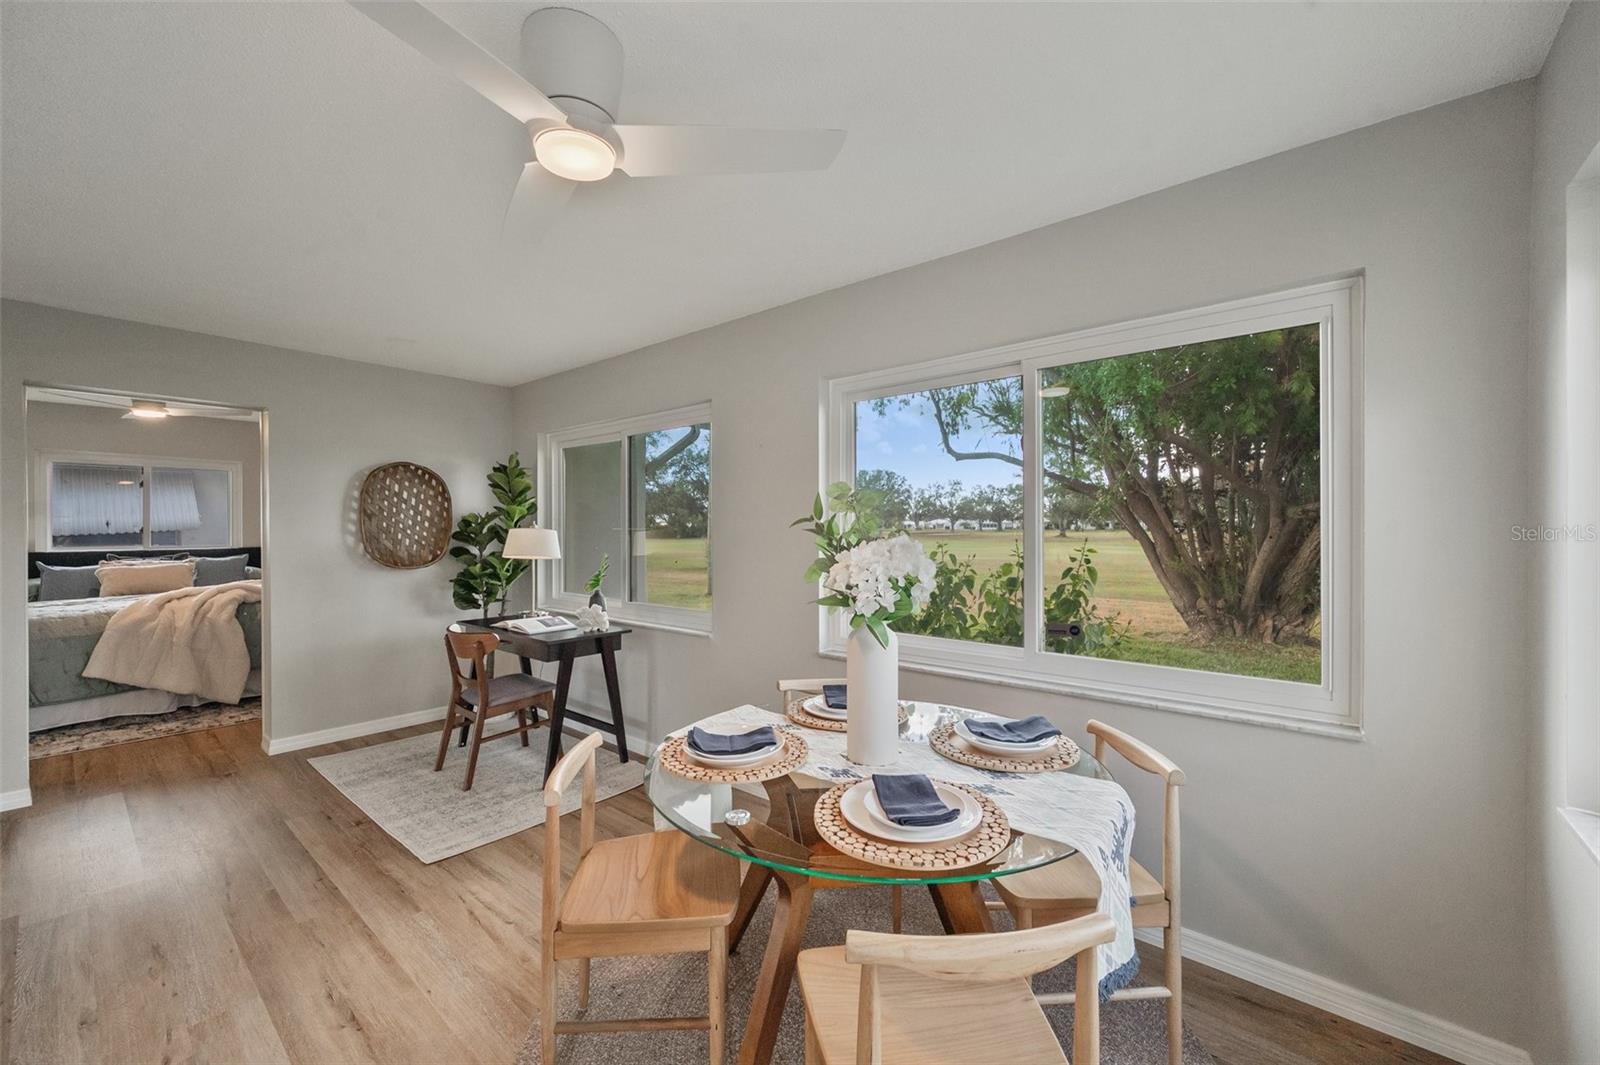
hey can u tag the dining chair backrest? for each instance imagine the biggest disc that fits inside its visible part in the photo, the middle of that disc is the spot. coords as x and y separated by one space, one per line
578 760
477 648
1147 758
798 691
907 970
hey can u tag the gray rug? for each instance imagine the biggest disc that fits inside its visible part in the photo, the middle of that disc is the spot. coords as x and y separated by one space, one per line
1131 1033
92 735
428 813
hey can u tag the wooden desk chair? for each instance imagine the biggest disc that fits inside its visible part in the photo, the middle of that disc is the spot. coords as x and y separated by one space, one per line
882 999
796 692
482 695
1069 888
660 893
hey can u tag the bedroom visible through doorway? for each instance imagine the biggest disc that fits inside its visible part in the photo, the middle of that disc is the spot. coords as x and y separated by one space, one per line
145 568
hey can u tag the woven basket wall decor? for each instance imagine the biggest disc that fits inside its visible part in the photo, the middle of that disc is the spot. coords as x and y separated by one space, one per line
405 516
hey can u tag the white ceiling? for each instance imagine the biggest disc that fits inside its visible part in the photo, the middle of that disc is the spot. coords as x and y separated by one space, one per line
289 174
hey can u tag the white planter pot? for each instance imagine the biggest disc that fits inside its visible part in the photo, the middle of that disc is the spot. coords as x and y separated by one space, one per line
872 673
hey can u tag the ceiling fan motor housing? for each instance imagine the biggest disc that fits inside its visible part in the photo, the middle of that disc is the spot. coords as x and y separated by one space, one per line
574 59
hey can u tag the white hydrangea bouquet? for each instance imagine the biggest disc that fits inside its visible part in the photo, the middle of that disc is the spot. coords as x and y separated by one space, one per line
878 579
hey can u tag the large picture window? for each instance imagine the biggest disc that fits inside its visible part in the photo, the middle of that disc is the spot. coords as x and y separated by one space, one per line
1160 512
634 497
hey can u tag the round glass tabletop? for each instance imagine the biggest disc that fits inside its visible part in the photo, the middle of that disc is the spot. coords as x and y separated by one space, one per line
780 833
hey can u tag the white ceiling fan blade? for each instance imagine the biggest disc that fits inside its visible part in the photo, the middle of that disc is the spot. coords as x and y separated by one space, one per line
536 202
661 151
439 41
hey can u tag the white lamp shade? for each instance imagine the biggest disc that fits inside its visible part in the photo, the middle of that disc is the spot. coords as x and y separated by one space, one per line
532 543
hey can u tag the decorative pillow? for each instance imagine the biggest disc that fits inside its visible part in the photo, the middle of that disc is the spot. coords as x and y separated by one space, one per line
220 570
68 582
123 579
252 573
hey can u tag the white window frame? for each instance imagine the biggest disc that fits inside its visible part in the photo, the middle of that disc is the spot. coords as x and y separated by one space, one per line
1332 707
44 486
552 490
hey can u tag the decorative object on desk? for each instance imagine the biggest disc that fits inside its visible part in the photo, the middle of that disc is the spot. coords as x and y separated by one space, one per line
1064 755
593 619
532 544
876 579
596 596
404 516
488 573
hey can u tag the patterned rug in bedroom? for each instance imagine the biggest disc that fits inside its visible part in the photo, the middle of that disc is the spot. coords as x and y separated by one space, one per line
71 739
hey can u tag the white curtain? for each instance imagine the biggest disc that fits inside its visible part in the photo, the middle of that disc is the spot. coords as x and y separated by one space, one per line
90 501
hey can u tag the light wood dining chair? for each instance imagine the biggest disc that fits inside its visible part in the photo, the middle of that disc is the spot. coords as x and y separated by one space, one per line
658 893
481 695
886 999
1069 888
798 691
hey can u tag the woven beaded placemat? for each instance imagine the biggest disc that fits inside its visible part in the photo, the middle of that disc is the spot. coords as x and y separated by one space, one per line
791 756
992 836
944 740
803 717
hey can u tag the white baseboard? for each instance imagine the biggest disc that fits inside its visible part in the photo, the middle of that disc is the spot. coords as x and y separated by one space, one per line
16 800
1391 1018
284 744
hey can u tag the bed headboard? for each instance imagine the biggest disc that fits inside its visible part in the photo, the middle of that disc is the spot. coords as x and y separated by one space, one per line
90 558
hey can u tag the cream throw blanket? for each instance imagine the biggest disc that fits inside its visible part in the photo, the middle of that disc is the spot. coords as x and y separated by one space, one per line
188 641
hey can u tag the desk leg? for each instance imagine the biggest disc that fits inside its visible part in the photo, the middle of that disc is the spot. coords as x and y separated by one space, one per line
608 660
961 908
558 715
789 920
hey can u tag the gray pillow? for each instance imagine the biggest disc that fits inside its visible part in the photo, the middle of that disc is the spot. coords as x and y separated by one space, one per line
67 582
220 570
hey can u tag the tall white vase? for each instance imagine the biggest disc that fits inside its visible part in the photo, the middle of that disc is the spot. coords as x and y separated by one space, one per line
872 673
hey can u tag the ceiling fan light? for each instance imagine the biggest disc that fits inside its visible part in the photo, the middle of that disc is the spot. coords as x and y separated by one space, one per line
148 408
574 154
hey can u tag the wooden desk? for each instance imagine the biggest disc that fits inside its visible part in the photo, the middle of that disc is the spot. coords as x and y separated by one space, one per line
564 648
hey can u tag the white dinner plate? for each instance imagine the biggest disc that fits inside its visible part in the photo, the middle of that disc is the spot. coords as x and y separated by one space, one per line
732 761
1006 750
860 807
818 706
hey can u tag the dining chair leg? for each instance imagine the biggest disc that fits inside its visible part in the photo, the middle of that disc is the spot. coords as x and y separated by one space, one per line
896 908
477 745
583 983
547 1008
444 737
717 992
1172 948
522 725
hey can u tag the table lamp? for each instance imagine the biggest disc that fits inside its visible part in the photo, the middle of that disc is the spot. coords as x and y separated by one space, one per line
533 543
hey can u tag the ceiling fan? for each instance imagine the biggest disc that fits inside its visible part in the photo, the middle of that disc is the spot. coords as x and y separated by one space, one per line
572 125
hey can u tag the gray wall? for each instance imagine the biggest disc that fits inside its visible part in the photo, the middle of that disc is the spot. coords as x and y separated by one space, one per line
1564 878
347 640
71 427
1394 864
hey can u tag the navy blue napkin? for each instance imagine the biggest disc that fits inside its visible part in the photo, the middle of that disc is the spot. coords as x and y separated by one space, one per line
833 696
909 799
743 743
1028 730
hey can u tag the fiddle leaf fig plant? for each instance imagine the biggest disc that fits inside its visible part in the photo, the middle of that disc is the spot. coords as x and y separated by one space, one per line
486 575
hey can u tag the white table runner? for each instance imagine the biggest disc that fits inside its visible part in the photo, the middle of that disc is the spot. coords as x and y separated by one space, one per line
1094 816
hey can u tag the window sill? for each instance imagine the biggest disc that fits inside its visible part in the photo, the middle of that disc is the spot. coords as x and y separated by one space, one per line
1587 826
1194 706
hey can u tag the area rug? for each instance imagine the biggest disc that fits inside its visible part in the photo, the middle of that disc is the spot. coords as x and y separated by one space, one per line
429 815
1131 1033
91 735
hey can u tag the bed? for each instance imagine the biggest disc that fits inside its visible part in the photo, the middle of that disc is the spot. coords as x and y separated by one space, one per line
62 635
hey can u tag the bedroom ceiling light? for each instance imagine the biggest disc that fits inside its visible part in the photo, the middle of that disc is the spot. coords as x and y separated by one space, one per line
147 408
574 154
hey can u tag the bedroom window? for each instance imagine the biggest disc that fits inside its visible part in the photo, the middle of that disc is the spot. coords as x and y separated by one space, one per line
1160 513
635 494
117 501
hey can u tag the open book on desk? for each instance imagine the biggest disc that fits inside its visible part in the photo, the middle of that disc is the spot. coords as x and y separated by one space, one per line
537 624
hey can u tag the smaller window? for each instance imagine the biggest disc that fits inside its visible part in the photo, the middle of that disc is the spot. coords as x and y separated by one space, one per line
95 503
633 498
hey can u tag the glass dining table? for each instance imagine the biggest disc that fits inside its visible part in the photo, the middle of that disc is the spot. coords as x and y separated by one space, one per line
783 847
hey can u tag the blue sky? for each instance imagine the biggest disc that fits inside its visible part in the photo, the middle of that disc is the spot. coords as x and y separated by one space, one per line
905 439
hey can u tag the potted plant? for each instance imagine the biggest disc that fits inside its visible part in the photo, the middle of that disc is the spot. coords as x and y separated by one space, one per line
596 596
876 579
486 575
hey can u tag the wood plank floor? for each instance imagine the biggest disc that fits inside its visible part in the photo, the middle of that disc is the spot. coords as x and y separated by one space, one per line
187 899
